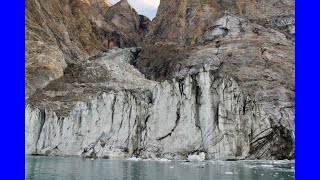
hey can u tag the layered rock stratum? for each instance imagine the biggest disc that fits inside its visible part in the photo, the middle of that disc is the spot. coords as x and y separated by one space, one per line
203 76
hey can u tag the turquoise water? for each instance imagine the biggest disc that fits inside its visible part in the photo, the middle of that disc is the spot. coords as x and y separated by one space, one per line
74 168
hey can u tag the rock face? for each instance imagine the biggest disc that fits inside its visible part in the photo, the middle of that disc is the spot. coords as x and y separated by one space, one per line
184 22
59 32
211 76
123 16
85 114
255 46
99 3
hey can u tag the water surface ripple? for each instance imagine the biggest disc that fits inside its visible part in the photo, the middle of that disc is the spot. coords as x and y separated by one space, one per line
74 168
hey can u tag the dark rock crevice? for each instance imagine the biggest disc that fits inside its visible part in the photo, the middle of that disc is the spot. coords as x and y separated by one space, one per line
176 124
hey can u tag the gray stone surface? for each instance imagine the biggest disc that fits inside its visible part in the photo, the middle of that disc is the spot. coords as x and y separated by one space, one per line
203 112
211 76
64 31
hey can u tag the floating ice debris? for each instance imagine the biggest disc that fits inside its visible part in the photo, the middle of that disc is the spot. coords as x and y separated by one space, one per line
171 167
163 160
197 158
228 173
276 173
184 163
267 166
146 159
92 159
262 174
133 159
281 162
251 167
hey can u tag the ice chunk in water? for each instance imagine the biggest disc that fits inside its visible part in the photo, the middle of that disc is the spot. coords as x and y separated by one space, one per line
163 160
197 158
267 166
134 159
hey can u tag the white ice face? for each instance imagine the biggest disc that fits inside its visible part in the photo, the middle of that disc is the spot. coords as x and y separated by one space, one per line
202 156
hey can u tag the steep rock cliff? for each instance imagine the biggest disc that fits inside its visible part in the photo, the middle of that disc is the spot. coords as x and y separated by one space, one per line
255 47
184 22
61 32
87 114
123 16
211 76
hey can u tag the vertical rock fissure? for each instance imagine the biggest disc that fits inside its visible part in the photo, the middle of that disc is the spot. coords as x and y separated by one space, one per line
196 91
145 128
122 118
137 138
244 106
42 121
112 111
181 87
129 127
216 116
176 123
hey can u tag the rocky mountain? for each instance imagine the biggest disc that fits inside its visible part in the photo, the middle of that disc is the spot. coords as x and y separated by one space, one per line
102 4
194 22
203 76
67 31
253 41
